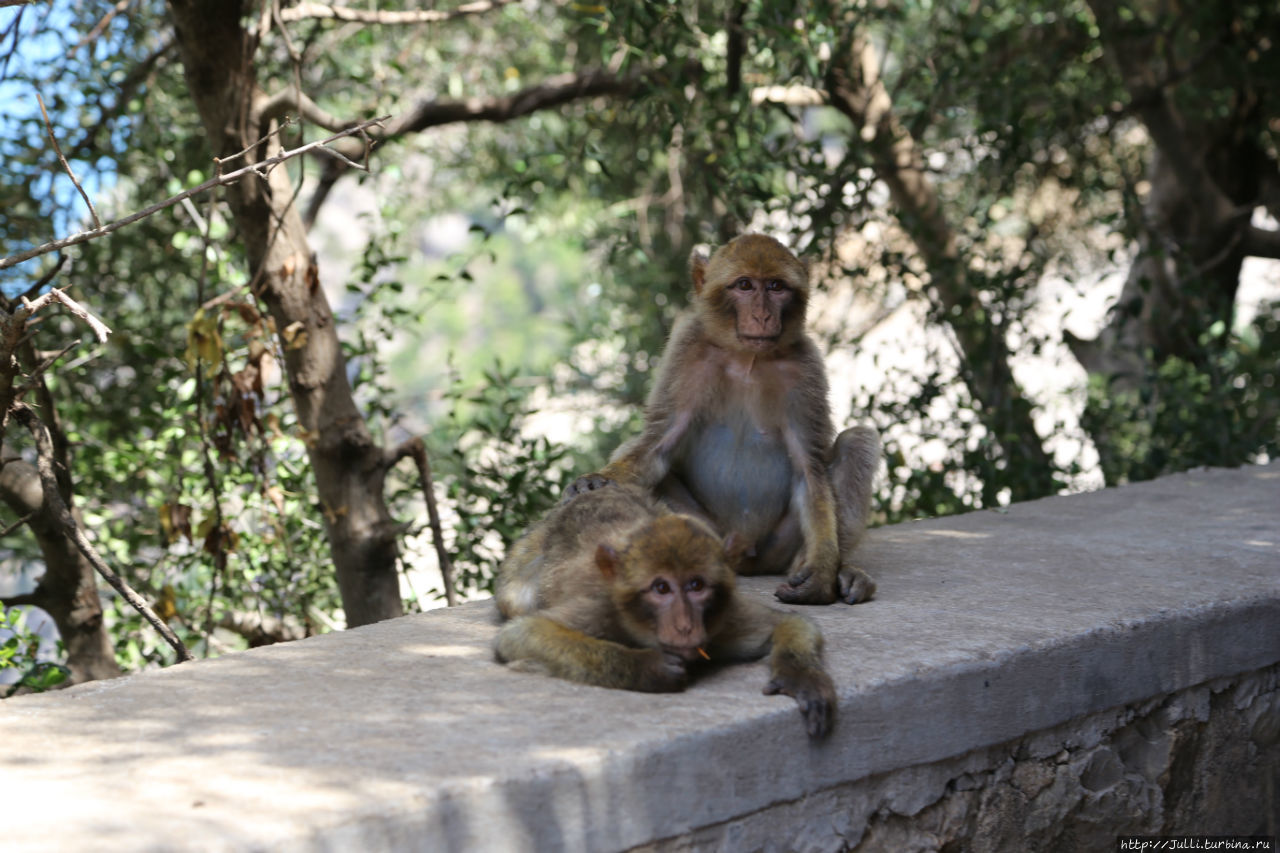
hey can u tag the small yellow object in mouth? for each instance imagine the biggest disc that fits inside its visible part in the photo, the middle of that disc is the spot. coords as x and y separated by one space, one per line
703 653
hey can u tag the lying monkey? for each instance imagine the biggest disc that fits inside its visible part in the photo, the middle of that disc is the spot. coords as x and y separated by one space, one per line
614 590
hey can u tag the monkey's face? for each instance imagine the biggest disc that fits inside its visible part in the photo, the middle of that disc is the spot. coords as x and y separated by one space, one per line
754 292
671 583
677 608
758 307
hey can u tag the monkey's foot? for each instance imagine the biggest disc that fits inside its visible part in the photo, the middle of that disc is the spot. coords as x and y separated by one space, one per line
584 484
856 586
806 587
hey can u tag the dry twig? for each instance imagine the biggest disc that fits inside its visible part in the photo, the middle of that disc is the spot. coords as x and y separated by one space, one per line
100 329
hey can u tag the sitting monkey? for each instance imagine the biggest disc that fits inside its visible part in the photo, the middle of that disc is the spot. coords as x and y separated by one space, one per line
738 430
614 590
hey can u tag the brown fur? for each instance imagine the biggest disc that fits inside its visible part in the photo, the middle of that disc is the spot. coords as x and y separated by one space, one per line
578 591
738 429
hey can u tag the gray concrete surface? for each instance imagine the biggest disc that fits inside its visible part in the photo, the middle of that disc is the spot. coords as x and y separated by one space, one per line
406 735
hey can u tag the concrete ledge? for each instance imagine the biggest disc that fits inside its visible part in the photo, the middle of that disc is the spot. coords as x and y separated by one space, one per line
406 735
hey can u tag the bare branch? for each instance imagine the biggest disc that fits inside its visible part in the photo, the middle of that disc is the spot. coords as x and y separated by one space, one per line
222 161
41 282
304 10
291 99
62 516
34 376
9 528
261 168
415 449
101 25
554 92
97 223
99 328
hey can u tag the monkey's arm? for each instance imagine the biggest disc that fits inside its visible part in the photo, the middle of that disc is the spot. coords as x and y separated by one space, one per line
797 671
570 654
646 459
794 646
814 576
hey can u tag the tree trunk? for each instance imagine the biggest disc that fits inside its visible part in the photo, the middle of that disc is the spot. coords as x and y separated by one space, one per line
68 590
854 88
1206 178
218 61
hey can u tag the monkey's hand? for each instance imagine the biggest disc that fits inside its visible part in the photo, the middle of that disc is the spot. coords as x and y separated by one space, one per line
814 693
856 585
658 671
584 484
810 582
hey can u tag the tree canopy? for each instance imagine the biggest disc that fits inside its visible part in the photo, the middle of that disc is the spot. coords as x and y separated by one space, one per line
456 303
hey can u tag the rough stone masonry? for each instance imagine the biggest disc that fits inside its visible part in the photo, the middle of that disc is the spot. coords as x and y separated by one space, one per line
1045 677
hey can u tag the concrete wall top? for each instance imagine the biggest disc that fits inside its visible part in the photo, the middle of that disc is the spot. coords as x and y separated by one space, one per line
406 734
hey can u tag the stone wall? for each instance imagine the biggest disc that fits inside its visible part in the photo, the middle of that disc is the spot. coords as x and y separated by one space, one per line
1045 677
1203 761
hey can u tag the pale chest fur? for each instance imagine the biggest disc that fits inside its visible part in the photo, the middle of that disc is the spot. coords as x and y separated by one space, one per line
734 458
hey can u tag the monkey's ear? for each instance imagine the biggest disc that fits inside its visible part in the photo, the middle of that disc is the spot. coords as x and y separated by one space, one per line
698 270
607 560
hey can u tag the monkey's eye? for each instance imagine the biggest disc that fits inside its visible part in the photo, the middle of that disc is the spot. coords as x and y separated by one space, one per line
695 585
661 587
776 285
743 283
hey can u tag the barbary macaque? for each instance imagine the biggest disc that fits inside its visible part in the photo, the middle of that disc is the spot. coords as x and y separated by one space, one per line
615 590
738 429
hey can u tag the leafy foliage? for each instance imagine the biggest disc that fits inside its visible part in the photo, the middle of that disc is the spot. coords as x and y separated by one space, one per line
1226 413
501 479
19 650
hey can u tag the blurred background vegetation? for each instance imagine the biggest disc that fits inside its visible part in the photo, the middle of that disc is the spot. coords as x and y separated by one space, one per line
1043 235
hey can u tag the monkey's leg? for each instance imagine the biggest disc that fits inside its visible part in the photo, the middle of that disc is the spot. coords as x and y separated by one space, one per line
771 555
814 574
855 457
517 583
575 656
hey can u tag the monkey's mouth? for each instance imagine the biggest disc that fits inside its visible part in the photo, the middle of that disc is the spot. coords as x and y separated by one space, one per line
689 654
758 341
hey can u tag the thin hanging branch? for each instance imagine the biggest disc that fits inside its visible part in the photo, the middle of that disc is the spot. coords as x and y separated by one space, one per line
97 223
62 516
418 451
260 168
